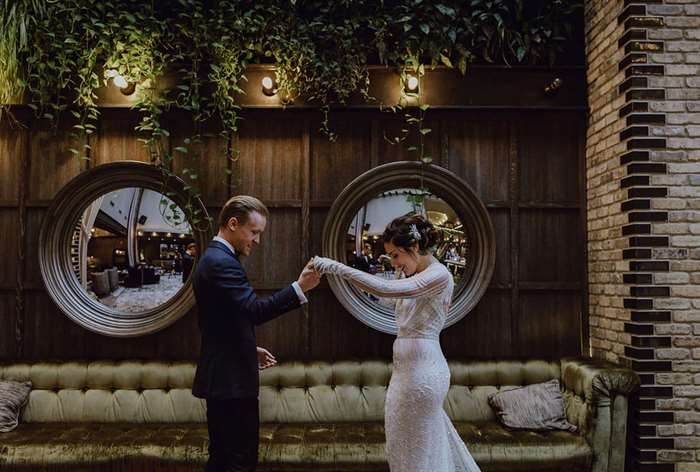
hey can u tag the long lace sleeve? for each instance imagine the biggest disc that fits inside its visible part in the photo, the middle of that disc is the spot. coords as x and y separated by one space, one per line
430 282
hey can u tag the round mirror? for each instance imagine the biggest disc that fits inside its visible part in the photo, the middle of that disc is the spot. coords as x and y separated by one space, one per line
133 249
357 219
120 264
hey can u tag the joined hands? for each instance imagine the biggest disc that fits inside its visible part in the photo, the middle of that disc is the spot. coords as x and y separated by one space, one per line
309 277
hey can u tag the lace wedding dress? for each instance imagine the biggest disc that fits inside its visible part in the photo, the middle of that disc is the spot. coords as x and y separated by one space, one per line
419 435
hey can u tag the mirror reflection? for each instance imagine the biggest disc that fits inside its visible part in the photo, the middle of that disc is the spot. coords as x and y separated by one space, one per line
364 245
132 249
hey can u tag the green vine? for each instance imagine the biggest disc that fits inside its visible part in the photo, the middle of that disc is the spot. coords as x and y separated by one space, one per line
57 54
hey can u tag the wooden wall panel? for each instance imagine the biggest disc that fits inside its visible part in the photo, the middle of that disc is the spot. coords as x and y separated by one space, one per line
548 238
8 345
483 333
389 127
478 152
116 139
549 324
548 148
523 165
10 243
277 260
269 165
501 226
286 336
35 217
209 160
336 164
52 165
50 334
13 146
336 334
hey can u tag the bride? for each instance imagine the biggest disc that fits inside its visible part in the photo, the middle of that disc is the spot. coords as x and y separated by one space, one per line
419 435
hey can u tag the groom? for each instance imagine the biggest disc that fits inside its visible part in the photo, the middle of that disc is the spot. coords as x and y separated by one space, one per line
227 371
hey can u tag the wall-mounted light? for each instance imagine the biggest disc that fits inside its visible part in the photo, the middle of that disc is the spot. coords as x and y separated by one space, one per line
411 84
140 233
126 87
553 86
154 234
269 86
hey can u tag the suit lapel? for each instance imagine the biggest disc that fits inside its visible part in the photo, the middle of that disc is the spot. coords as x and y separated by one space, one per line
223 247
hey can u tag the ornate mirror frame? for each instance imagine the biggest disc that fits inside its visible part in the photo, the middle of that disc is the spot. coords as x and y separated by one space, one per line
55 254
443 184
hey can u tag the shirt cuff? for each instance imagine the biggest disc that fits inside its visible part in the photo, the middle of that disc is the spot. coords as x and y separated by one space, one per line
300 293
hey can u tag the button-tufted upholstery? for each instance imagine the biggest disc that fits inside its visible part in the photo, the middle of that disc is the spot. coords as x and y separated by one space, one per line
317 413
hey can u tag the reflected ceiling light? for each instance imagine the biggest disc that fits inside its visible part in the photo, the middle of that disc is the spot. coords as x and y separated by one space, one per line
269 87
411 84
437 217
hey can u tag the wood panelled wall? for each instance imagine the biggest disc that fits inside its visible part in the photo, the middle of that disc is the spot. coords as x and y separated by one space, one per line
525 165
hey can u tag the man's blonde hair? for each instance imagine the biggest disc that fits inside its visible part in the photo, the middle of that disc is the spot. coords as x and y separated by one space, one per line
240 207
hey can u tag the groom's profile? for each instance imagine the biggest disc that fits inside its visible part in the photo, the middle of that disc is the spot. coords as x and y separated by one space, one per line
227 370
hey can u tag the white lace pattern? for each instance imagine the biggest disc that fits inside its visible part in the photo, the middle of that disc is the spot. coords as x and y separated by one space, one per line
419 435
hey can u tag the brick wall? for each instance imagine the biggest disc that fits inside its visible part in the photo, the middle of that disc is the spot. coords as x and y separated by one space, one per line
643 165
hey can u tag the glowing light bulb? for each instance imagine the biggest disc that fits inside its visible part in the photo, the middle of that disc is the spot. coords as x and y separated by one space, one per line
120 81
268 85
411 83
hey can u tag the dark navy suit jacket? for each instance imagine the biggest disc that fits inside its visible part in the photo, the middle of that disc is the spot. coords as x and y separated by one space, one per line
228 313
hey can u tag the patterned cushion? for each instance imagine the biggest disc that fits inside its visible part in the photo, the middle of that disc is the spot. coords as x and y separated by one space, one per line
537 407
13 396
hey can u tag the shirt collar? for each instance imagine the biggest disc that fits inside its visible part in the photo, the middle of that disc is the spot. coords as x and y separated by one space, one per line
225 243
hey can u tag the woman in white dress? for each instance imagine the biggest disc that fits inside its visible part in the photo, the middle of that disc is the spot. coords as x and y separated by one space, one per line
419 435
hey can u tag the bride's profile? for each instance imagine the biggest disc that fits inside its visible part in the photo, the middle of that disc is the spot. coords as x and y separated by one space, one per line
419 435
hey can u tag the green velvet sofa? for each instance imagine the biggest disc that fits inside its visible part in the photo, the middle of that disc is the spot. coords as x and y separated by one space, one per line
141 416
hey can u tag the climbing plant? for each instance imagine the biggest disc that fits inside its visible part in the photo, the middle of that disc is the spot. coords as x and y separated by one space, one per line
56 54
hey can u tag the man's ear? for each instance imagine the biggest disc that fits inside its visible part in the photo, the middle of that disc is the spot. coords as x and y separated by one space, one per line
232 223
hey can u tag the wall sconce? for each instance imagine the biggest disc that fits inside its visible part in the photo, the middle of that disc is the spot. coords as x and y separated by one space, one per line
269 86
553 87
125 87
411 84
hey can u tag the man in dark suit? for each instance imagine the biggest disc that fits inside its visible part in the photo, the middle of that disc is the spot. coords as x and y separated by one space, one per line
227 371
188 261
364 261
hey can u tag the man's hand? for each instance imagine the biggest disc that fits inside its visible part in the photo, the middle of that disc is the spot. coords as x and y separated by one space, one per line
265 358
308 278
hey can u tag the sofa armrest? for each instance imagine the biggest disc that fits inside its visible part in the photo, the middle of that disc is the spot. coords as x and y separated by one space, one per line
596 394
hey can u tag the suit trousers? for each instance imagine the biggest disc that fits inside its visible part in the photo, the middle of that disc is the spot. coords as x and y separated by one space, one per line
233 425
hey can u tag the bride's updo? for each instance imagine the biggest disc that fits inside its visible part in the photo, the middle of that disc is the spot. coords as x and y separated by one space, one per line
407 230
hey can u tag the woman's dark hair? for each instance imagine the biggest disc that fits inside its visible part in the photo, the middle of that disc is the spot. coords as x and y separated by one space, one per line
407 230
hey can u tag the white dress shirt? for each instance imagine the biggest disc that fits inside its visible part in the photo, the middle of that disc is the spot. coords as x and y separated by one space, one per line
295 284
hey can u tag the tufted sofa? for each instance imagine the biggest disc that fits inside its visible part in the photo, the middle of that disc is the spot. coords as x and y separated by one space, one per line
141 416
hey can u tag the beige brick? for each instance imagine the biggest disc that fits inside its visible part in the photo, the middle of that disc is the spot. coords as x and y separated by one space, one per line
673 353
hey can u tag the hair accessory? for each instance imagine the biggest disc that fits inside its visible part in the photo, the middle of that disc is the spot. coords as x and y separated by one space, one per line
414 232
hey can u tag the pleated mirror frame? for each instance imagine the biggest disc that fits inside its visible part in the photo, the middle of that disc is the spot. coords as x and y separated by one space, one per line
443 184
55 256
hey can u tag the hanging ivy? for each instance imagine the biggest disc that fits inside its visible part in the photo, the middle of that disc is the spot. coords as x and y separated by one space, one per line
57 54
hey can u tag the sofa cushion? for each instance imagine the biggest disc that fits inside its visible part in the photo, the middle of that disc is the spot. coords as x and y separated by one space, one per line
355 446
13 396
538 407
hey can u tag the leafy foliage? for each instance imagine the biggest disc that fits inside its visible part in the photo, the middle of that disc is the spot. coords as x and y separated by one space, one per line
58 53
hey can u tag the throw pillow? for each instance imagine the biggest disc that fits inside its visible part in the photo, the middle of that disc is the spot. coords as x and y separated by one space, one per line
537 407
13 396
